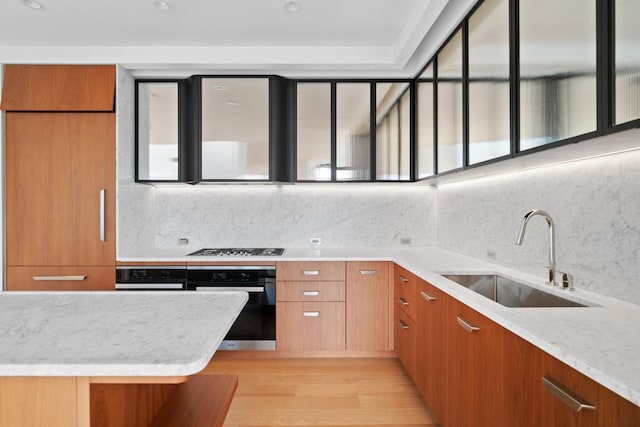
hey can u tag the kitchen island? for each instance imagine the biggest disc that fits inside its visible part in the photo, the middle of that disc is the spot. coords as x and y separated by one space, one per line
96 358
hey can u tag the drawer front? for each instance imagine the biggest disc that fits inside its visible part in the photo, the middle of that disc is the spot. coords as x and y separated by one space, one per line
61 278
405 341
310 271
405 291
310 291
310 326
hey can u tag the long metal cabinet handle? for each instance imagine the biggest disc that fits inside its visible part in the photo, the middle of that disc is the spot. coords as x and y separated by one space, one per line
403 279
310 272
426 296
311 313
60 278
311 293
467 326
403 301
368 272
403 325
102 215
565 396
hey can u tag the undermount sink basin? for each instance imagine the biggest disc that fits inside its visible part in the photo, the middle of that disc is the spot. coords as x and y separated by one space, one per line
508 292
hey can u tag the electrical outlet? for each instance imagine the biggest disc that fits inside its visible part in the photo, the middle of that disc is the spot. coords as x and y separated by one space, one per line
183 241
405 241
316 241
492 254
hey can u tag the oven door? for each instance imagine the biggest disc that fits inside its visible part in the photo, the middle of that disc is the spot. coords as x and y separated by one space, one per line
255 327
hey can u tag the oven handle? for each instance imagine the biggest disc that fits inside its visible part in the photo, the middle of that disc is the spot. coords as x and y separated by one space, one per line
143 286
231 288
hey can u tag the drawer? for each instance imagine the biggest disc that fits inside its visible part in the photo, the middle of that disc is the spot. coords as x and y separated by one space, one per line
405 291
61 278
310 326
310 291
310 271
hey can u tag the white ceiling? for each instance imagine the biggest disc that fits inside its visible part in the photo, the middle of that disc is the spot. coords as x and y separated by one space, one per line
325 37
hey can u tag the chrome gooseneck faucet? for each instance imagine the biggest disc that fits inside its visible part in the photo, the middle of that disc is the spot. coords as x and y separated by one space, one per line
552 245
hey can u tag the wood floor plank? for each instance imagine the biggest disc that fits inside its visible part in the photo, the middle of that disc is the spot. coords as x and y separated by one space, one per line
366 392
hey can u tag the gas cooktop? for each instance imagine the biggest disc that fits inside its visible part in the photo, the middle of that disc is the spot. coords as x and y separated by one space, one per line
238 252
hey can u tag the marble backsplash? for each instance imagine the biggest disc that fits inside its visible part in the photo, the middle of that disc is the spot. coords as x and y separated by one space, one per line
272 215
595 204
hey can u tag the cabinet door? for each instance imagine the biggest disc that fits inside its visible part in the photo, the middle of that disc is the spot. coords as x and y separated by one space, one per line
61 278
431 358
57 168
405 341
59 88
368 305
310 326
473 379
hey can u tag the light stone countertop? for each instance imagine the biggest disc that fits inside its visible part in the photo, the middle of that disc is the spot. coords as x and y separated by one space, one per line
601 341
113 333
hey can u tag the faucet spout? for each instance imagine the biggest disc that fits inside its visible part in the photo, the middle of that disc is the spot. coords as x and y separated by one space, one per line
552 245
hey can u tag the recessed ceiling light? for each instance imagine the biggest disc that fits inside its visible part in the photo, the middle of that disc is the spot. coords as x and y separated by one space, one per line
220 87
162 4
33 4
292 6
233 103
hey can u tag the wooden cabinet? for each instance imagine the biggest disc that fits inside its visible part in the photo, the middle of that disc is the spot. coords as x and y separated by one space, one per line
310 311
431 357
528 402
59 88
474 369
60 181
404 297
319 310
368 306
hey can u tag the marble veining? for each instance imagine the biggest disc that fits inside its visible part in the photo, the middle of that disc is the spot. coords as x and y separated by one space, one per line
113 333
595 204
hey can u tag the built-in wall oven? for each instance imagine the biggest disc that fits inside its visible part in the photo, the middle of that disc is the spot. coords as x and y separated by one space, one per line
255 327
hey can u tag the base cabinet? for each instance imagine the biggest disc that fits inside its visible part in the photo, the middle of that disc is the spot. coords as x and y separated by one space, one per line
473 372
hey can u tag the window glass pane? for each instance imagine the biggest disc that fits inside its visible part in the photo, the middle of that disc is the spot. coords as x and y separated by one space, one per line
314 131
235 128
557 70
627 38
425 123
489 120
392 131
450 105
158 131
353 144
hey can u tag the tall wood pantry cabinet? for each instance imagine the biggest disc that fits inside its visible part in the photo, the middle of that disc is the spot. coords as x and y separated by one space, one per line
59 177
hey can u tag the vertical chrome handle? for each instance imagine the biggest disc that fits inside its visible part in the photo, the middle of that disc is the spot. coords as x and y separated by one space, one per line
310 272
403 302
403 279
565 396
311 313
102 215
368 272
426 296
311 293
467 326
403 325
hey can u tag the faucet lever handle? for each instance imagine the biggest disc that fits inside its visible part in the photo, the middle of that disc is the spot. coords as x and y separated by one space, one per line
567 281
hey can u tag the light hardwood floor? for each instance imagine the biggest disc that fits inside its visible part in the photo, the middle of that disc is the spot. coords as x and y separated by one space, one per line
319 391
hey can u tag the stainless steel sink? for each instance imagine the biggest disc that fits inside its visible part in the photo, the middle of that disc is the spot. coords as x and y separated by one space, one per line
509 292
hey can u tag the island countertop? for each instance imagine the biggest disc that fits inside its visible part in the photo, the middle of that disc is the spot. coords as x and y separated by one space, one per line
113 333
